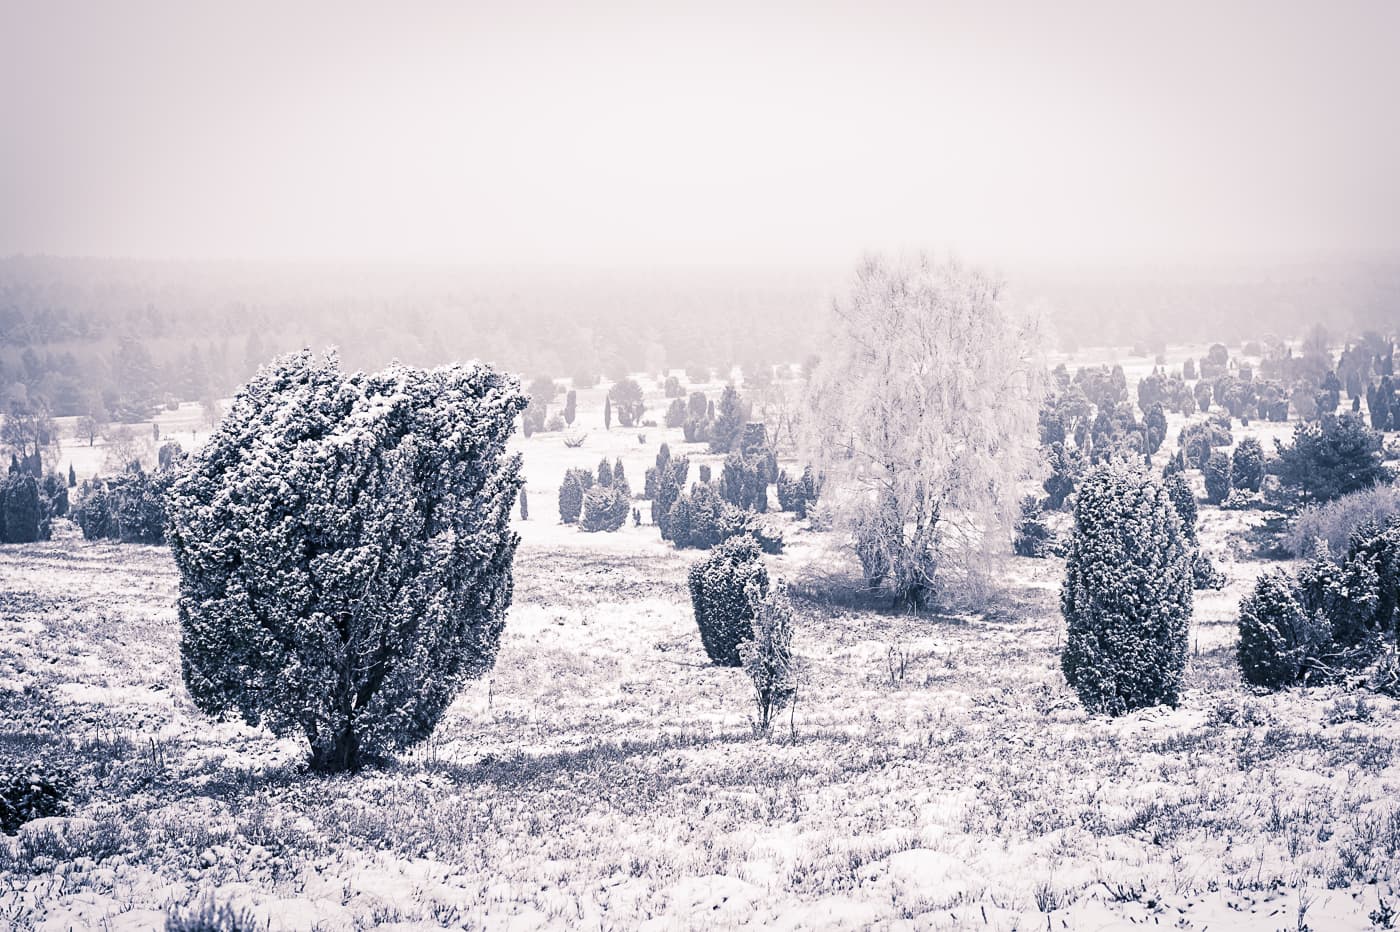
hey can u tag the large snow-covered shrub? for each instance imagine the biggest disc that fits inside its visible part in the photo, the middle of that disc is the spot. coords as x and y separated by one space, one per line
1279 639
344 550
720 594
1127 593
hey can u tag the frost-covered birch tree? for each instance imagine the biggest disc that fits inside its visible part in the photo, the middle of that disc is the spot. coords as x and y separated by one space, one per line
922 419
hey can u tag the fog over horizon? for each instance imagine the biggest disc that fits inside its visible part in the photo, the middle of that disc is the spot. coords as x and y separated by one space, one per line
629 136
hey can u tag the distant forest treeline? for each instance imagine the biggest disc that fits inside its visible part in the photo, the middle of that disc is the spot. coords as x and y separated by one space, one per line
130 336
116 339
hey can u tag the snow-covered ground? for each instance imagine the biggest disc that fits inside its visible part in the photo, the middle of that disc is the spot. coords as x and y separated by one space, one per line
605 776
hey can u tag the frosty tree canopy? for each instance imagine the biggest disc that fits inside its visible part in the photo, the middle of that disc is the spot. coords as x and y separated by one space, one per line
921 419
344 550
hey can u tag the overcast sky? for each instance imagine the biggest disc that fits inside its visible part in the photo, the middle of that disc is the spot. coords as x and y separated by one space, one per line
577 133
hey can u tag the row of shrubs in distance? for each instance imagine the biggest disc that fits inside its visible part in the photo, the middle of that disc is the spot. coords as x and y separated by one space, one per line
596 504
28 505
1033 538
1326 459
701 420
1311 383
131 507
700 517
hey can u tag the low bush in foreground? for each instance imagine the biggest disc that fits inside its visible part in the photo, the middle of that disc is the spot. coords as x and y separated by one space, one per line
767 656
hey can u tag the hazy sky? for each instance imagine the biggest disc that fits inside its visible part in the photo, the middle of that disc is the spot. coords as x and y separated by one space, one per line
570 132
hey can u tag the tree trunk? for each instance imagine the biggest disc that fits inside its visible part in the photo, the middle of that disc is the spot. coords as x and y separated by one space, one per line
338 753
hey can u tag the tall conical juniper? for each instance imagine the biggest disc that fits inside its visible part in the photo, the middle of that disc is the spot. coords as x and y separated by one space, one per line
1127 593
344 550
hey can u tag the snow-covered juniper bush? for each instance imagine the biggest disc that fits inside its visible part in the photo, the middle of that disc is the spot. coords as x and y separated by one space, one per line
1217 476
23 516
670 479
572 488
1127 593
130 507
797 495
1247 465
1184 501
344 550
605 507
1279 638
1066 466
720 594
1328 622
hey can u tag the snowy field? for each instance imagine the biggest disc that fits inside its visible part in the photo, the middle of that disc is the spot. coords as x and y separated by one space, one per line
936 773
